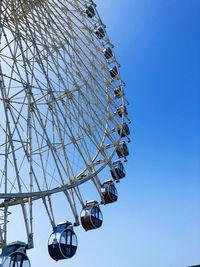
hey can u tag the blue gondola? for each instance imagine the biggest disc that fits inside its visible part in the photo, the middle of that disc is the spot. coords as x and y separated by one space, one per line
109 192
122 150
118 91
14 255
91 216
62 242
90 11
125 129
118 170
108 52
113 72
99 32
122 109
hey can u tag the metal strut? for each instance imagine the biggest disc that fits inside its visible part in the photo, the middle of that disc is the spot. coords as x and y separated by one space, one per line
4 213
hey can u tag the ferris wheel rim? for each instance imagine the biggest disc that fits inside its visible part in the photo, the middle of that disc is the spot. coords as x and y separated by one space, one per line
67 186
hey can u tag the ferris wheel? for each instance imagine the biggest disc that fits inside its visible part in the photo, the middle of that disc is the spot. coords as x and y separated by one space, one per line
63 118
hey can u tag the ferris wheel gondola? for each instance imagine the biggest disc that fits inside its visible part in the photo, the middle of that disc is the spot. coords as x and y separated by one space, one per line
108 53
14 255
62 242
109 192
118 92
118 170
91 216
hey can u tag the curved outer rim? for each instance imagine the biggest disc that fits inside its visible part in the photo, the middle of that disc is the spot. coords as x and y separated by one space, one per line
58 189
40 194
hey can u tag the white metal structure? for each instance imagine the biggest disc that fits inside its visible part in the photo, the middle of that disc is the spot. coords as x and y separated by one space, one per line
58 123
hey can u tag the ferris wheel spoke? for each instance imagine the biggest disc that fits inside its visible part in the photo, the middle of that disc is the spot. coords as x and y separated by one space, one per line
100 147
15 120
61 143
54 153
72 204
69 199
94 119
89 131
87 152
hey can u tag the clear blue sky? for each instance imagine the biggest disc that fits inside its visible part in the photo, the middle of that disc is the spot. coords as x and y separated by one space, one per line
156 220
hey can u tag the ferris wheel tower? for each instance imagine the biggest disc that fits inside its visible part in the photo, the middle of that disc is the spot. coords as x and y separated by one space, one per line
63 118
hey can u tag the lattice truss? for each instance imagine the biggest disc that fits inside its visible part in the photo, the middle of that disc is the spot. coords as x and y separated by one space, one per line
58 113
